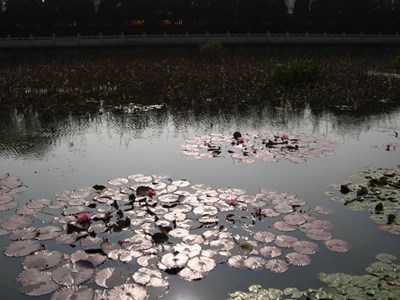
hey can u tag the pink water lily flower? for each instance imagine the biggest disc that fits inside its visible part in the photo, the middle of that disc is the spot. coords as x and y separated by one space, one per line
258 212
233 202
150 192
84 217
284 137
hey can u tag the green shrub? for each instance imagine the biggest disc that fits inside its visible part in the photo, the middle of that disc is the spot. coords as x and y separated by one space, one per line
211 50
396 62
297 72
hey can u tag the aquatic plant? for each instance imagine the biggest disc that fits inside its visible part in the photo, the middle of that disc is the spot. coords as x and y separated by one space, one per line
124 82
211 50
265 146
395 62
375 190
183 229
297 72
381 282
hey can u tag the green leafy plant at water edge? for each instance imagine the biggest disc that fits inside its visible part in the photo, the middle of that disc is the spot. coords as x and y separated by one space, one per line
382 281
297 72
211 50
396 62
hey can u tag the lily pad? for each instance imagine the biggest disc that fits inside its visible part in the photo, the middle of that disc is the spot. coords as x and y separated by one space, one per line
298 259
33 282
112 277
277 265
130 291
73 293
74 273
43 260
22 248
337 245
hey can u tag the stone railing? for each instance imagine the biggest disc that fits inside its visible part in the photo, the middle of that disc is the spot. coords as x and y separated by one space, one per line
196 39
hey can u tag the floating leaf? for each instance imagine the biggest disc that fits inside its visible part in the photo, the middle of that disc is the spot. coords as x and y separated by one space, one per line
385 257
26 233
201 264
48 233
22 248
190 274
283 226
298 259
254 262
337 245
16 222
277 265
305 247
264 236
43 260
118 181
74 273
171 261
285 241
111 277
236 261
270 251
73 293
32 282
150 277
130 291
318 234
95 258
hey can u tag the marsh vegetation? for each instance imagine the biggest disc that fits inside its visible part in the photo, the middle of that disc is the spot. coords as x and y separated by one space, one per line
343 78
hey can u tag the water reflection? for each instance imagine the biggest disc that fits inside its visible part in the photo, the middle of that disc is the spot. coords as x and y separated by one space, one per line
31 134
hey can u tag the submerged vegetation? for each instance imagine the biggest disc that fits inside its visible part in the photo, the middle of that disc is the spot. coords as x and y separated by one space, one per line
382 281
177 77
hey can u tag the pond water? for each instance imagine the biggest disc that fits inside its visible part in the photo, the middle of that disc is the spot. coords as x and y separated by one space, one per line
53 154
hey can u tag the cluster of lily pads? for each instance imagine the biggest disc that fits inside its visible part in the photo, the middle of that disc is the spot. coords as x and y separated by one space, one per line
126 239
376 190
9 188
266 146
381 282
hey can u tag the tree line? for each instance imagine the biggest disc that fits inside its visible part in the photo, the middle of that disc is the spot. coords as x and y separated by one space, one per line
115 16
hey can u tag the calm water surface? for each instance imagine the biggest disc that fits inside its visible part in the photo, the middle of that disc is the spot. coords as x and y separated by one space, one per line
70 152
